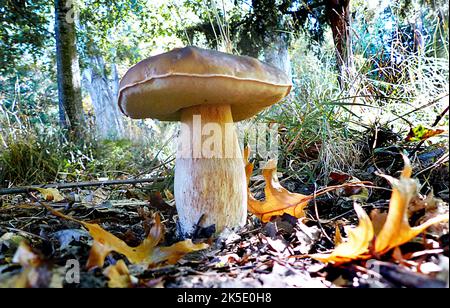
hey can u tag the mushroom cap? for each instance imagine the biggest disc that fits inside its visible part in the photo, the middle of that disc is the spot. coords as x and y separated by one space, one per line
160 86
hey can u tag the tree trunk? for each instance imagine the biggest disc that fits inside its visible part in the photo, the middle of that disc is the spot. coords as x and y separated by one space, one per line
68 71
338 15
103 92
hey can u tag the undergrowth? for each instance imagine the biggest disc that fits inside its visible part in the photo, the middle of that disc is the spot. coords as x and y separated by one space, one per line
38 159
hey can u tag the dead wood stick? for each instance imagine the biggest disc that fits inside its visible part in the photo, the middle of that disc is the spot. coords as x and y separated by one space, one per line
26 189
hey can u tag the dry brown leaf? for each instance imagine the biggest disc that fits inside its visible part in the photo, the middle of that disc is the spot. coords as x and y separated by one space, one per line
394 229
337 235
51 194
278 199
378 220
147 252
119 276
34 273
357 245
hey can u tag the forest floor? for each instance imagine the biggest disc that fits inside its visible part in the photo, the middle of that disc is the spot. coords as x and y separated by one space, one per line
259 255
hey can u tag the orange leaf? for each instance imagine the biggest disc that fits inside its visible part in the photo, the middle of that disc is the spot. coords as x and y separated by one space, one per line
391 231
147 252
51 194
357 246
278 199
420 133
175 252
396 230
119 276
105 243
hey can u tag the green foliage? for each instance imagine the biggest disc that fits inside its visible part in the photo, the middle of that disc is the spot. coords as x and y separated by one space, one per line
23 31
29 160
315 136
38 158
321 124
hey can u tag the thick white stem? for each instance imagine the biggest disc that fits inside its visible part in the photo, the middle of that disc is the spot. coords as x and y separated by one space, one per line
210 178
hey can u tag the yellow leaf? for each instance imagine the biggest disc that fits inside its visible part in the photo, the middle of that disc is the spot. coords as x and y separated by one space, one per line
337 235
34 273
118 274
105 243
396 230
175 252
51 194
391 230
169 195
147 252
278 199
357 245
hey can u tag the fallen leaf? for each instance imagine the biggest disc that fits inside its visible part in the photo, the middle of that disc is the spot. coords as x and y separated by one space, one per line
51 194
396 230
65 237
306 236
35 274
173 253
147 253
337 235
378 220
432 207
118 275
390 231
338 178
420 133
278 199
357 245
25 256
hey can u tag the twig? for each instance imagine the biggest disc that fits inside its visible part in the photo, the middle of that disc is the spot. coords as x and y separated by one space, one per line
441 160
26 189
26 233
439 117
317 215
417 109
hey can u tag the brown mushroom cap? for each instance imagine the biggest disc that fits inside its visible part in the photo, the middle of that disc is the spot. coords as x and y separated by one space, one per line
160 86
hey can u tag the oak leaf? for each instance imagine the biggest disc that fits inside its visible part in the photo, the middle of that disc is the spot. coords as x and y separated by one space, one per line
396 230
391 230
118 275
146 253
51 194
278 199
357 245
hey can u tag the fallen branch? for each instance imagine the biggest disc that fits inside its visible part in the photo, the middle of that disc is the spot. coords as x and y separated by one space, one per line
26 189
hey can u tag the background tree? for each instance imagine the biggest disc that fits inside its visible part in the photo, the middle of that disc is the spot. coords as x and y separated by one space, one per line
23 31
71 112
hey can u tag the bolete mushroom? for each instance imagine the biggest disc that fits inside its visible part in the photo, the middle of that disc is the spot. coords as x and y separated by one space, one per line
207 91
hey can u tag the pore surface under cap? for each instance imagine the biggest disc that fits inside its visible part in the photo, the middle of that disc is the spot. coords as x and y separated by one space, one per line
160 86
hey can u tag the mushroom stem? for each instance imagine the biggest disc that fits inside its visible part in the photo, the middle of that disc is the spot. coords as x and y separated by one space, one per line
210 183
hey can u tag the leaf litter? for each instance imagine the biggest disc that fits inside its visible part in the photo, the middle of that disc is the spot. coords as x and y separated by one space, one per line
127 238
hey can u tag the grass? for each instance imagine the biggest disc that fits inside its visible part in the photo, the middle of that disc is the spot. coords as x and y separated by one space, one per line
322 128
38 159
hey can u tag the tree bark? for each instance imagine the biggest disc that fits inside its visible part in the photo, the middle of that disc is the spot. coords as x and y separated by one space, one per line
68 72
103 92
338 15
276 51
